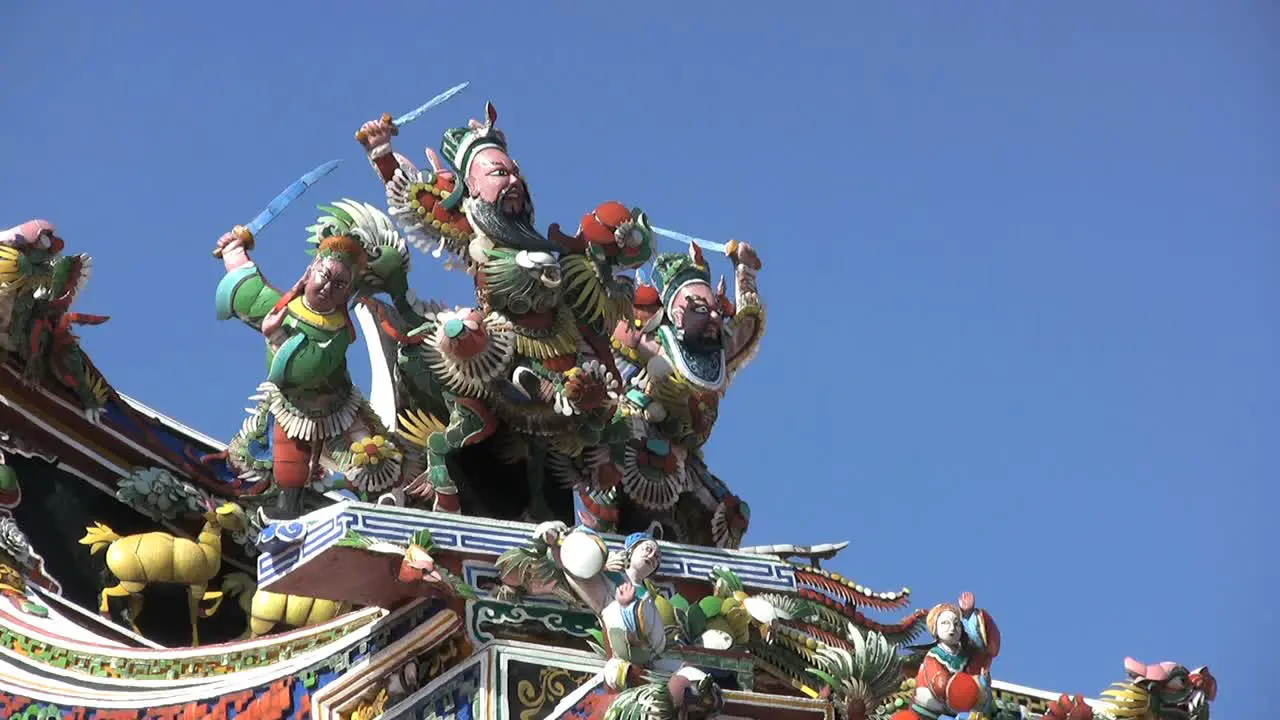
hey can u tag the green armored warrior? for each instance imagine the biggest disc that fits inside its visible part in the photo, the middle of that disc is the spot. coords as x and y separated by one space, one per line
309 417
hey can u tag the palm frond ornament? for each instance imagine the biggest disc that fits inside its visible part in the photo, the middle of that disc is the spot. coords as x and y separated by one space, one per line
862 677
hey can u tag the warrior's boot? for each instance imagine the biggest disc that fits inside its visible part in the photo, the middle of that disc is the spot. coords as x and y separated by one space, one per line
289 504
291 466
447 502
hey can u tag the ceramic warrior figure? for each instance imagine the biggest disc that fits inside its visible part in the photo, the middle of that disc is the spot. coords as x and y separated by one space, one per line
309 417
533 357
677 357
955 674
37 287
482 216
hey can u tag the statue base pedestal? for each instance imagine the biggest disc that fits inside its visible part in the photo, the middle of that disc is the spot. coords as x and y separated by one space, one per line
345 554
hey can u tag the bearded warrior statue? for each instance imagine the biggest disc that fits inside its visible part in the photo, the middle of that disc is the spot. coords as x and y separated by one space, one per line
530 367
677 356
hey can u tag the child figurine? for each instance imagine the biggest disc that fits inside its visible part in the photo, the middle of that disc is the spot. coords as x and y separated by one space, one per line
955 675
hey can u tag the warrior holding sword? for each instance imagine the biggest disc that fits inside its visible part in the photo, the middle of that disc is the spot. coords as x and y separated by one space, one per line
553 298
309 416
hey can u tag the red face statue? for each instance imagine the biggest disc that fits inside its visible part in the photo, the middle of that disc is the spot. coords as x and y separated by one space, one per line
328 285
499 205
493 177
696 315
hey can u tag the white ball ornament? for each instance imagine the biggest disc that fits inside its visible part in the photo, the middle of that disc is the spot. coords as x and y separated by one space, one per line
583 554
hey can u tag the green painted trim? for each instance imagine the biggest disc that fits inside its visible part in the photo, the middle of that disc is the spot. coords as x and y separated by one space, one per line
280 363
227 287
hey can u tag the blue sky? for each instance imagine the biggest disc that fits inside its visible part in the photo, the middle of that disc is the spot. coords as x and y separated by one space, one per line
1020 258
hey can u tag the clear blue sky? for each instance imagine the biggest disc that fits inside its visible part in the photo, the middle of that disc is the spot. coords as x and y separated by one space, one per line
1020 258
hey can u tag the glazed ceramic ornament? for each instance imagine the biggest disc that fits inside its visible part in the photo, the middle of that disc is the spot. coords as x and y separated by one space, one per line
462 334
150 558
983 630
583 554
963 693
760 610
619 235
418 565
716 639
637 624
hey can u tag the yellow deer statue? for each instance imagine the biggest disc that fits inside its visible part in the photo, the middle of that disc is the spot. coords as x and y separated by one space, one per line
266 609
156 557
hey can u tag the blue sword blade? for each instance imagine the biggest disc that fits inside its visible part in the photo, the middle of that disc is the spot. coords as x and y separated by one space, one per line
690 240
290 194
433 102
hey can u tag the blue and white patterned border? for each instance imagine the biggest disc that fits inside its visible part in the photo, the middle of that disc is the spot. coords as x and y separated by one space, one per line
486 537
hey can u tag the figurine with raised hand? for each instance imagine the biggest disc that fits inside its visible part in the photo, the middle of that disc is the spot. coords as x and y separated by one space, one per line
618 586
309 417
955 674
545 304
678 355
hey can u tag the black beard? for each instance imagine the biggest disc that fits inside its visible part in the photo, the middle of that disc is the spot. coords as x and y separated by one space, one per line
700 343
508 230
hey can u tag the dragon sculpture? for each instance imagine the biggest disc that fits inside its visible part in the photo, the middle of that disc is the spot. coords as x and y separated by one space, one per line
1163 691
38 284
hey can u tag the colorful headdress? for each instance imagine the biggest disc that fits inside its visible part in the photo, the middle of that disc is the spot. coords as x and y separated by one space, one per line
461 145
671 271
386 251
935 613
343 249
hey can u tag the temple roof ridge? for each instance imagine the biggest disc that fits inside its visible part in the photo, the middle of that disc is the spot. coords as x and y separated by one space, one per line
171 423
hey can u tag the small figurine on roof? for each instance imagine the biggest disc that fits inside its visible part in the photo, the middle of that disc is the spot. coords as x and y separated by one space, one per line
18 565
38 285
955 674
309 416
1162 691
633 628
577 566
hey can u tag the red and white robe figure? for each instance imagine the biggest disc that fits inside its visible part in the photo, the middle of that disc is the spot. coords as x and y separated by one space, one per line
955 675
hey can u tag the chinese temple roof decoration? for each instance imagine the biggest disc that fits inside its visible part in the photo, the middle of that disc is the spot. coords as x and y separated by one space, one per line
518 520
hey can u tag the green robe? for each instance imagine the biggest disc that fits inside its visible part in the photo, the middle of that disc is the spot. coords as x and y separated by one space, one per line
308 394
314 358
